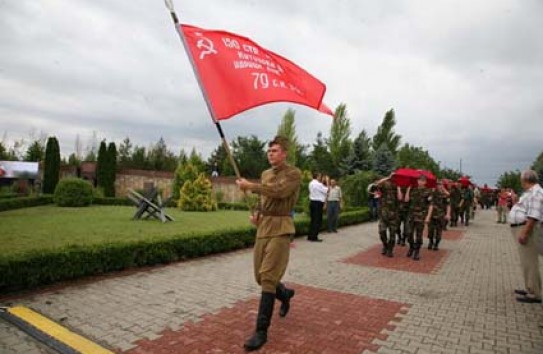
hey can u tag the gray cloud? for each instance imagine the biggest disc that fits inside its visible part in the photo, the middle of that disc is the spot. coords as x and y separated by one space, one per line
464 79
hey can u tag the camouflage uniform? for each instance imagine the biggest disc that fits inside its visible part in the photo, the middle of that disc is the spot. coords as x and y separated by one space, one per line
420 199
403 219
467 205
455 198
440 200
388 217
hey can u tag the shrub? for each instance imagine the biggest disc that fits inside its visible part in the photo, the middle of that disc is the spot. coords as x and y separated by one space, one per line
197 195
73 192
355 188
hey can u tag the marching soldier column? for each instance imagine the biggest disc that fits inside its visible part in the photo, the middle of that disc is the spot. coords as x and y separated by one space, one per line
418 207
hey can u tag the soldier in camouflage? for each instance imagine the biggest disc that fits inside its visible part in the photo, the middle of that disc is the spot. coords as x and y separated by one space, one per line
420 212
466 204
455 198
388 214
441 210
403 220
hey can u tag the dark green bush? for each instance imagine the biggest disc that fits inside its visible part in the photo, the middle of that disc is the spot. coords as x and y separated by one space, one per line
24 202
36 268
73 192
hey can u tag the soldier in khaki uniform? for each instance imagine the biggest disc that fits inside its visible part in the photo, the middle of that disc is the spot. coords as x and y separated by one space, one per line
441 210
455 197
388 214
420 212
279 190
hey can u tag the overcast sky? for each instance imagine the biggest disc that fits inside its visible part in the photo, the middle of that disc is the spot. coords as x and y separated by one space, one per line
465 78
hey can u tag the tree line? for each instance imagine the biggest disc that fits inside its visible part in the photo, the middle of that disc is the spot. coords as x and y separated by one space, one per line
336 154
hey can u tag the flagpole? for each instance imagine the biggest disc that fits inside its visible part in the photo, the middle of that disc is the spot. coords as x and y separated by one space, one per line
175 19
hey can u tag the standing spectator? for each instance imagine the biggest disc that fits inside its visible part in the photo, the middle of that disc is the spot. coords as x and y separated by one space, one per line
502 206
333 207
526 217
215 170
373 199
317 197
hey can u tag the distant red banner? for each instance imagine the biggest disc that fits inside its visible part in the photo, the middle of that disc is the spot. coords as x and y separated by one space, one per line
238 74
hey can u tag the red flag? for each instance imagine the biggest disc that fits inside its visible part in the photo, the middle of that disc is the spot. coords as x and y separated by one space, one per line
238 74
325 109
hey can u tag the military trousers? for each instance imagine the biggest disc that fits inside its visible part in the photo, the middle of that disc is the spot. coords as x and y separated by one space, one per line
270 259
466 212
435 229
416 229
387 230
403 221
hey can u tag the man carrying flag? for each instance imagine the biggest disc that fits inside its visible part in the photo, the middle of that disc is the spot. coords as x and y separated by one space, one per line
279 190
236 74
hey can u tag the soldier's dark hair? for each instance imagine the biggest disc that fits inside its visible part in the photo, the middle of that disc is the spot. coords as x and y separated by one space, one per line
281 141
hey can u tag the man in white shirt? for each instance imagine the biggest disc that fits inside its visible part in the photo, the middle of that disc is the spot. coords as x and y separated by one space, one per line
317 197
526 217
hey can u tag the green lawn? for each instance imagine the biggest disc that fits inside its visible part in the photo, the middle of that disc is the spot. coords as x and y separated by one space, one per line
48 227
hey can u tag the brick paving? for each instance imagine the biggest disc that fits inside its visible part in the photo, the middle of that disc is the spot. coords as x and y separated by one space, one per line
464 305
322 321
430 260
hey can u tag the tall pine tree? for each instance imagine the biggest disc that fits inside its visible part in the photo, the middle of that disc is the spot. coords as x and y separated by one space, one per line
386 135
101 166
111 170
339 143
360 157
287 129
51 166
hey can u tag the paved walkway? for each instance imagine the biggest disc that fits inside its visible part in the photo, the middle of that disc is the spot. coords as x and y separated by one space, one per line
350 299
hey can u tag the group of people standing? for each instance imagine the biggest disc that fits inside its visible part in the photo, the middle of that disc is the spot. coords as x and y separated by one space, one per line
403 212
324 193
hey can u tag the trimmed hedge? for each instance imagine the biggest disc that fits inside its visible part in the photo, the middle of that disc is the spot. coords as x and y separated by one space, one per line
73 192
35 268
25 202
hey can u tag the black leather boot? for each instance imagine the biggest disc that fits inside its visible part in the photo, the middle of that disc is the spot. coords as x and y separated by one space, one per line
431 244
390 248
383 237
411 250
263 320
416 252
284 295
436 245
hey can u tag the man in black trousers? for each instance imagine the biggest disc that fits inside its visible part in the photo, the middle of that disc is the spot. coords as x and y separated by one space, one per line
317 197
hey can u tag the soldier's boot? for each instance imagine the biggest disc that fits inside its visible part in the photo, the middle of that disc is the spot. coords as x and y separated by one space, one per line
416 252
436 245
283 294
383 236
403 240
411 249
390 248
399 238
263 320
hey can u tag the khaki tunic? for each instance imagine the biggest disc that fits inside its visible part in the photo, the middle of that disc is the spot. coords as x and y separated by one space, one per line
279 190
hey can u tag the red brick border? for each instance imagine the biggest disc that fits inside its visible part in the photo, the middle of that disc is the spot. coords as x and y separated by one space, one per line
320 321
430 261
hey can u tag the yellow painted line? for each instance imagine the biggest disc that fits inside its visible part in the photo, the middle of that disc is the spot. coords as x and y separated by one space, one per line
58 332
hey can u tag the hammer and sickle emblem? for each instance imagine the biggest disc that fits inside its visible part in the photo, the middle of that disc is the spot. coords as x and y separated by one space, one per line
206 45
